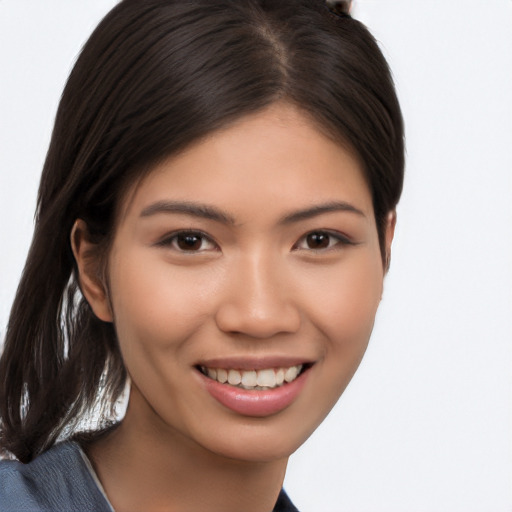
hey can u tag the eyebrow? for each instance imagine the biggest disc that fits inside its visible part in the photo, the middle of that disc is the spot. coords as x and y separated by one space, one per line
188 208
314 211
205 211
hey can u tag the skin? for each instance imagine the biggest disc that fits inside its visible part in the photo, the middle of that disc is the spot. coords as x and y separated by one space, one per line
253 287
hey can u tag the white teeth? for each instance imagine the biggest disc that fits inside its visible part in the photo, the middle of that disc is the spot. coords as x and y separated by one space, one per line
234 377
267 378
291 374
222 375
250 379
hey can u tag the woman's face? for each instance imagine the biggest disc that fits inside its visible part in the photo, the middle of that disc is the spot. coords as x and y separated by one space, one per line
252 256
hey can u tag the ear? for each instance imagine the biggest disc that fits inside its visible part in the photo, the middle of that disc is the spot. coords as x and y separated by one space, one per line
388 237
89 275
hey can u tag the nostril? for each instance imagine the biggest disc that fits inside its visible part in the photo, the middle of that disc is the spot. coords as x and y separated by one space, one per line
257 321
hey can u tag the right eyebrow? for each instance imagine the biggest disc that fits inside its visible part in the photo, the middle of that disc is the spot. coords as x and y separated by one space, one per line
200 210
321 209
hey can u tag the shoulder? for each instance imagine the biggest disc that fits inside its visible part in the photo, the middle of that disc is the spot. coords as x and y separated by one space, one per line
59 479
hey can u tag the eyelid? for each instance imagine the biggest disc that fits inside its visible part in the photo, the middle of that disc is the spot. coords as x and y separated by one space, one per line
167 240
341 240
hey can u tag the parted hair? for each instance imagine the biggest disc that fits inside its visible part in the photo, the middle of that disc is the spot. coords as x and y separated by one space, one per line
155 76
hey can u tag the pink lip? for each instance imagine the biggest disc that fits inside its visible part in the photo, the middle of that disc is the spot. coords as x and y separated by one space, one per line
256 363
253 402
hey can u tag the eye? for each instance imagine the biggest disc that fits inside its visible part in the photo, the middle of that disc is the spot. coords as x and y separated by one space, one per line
189 241
321 241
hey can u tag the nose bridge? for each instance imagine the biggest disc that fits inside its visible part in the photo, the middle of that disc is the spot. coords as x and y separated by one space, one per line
258 300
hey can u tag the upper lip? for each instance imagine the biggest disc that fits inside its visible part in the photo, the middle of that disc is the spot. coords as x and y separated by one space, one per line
255 363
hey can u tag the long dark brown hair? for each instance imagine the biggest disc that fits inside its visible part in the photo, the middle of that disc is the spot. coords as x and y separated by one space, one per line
155 76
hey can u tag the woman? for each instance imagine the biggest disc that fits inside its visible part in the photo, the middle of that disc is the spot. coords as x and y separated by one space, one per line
215 219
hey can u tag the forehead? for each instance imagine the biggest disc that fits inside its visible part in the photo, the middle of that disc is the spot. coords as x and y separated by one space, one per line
275 159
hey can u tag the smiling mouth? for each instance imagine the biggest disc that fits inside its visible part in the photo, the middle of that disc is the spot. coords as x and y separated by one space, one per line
259 380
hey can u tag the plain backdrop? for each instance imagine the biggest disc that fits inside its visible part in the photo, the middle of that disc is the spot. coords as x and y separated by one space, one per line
426 424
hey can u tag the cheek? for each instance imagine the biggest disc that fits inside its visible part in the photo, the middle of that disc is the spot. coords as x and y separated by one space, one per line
348 305
158 305
345 315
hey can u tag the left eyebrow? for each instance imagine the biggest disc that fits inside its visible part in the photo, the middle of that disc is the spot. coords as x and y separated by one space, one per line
188 208
314 211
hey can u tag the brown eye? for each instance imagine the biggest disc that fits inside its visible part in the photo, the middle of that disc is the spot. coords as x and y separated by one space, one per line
322 241
317 240
189 242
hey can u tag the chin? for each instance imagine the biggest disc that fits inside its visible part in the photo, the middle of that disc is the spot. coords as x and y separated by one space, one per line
260 439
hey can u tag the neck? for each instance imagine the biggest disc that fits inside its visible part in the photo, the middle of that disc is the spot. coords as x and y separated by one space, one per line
146 468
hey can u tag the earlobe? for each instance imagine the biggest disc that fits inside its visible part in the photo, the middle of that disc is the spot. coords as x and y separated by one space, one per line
390 233
87 259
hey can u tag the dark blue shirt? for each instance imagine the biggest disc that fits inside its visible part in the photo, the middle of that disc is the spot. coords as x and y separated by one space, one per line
62 480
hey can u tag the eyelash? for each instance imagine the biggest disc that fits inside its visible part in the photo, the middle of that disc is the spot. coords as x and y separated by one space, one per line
172 240
336 237
335 240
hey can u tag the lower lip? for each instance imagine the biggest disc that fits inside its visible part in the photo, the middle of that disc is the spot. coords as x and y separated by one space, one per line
259 403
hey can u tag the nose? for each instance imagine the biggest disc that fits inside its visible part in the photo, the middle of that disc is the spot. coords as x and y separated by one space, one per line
258 300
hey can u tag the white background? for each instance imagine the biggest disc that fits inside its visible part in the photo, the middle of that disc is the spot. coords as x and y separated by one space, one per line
426 424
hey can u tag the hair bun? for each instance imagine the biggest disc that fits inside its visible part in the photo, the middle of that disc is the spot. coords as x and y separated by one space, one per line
339 7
